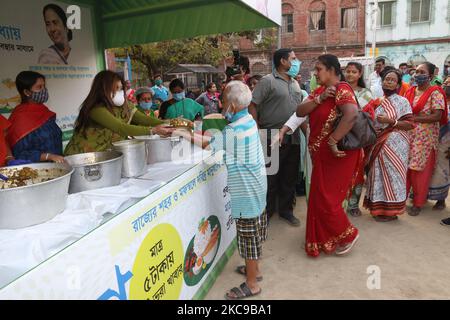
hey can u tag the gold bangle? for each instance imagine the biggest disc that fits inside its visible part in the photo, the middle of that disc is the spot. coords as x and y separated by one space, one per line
9 157
332 140
317 100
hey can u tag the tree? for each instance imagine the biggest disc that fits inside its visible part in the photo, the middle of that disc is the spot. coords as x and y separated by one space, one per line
159 57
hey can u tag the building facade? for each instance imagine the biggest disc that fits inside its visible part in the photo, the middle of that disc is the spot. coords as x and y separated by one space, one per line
314 27
410 31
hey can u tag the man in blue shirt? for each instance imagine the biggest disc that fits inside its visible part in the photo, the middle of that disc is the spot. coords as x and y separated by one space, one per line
247 182
160 92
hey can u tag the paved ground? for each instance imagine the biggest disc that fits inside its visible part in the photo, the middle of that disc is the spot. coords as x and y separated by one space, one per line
412 253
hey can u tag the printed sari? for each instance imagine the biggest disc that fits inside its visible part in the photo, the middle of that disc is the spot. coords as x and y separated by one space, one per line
388 161
440 182
424 141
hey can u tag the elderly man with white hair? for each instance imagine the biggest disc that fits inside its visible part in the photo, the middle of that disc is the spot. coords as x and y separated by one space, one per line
247 182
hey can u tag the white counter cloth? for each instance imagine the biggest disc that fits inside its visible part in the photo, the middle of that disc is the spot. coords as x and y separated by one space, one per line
23 249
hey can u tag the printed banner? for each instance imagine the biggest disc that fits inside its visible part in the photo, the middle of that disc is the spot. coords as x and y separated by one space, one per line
38 40
163 247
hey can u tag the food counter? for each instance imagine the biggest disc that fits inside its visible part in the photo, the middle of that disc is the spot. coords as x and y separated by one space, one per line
163 235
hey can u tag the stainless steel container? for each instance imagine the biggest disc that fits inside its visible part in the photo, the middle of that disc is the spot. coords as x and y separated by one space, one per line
159 149
37 203
135 159
95 170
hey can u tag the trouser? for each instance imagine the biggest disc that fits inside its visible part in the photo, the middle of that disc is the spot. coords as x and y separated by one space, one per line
281 185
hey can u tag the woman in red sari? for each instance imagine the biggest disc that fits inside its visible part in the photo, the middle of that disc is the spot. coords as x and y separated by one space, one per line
430 112
328 228
34 134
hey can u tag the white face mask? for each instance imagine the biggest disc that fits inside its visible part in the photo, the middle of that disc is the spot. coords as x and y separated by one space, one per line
119 98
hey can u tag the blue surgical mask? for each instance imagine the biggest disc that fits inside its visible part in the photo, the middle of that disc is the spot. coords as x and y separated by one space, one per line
228 115
294 69
179 96
421 79
146 105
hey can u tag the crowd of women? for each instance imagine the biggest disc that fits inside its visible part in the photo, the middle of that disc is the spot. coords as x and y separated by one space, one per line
410 157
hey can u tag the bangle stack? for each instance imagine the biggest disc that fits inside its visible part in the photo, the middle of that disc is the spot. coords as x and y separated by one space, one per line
317 100
332 141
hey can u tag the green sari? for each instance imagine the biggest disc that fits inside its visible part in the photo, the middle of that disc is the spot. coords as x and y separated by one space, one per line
105 127
186 108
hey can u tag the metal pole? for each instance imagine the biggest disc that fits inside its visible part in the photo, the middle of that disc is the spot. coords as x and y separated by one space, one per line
374 26
279 38
130 71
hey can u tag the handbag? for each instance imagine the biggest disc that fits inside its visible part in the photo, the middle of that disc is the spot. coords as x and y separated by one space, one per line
361 135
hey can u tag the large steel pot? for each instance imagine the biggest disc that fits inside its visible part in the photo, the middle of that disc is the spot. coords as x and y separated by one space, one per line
159 149
135 160
95 170
32 204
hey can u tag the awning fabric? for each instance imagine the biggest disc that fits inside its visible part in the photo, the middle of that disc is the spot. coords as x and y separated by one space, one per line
128 22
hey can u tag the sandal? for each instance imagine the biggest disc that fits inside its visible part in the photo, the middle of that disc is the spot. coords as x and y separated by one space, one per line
355 212
241 293
241 270
414 211
440 205
385 218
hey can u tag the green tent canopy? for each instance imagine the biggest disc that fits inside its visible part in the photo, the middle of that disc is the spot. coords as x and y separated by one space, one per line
127 22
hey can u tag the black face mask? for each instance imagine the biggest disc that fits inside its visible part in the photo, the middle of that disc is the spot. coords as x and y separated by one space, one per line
389 92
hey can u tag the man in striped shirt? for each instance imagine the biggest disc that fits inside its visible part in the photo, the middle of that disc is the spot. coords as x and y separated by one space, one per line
247 182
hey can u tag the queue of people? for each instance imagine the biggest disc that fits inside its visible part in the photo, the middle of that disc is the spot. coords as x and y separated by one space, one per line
409 158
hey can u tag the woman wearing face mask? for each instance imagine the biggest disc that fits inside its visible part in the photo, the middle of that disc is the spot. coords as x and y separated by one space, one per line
180 106
144 99
440 182
34 134
328 228
210 99
105 117
430 110
388 159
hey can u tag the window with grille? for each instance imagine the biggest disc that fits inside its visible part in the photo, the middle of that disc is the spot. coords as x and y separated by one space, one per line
317 20
385 14
288 23
420 10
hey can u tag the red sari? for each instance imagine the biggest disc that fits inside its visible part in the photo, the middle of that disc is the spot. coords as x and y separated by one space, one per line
327 224
25 118
4 125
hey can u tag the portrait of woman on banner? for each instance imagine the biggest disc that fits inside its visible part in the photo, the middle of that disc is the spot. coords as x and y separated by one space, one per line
56 25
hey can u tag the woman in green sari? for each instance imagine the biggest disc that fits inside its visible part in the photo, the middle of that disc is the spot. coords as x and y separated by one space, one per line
106 117
180 106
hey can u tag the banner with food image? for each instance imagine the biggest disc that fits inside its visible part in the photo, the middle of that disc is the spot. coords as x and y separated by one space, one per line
170 245
53 38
